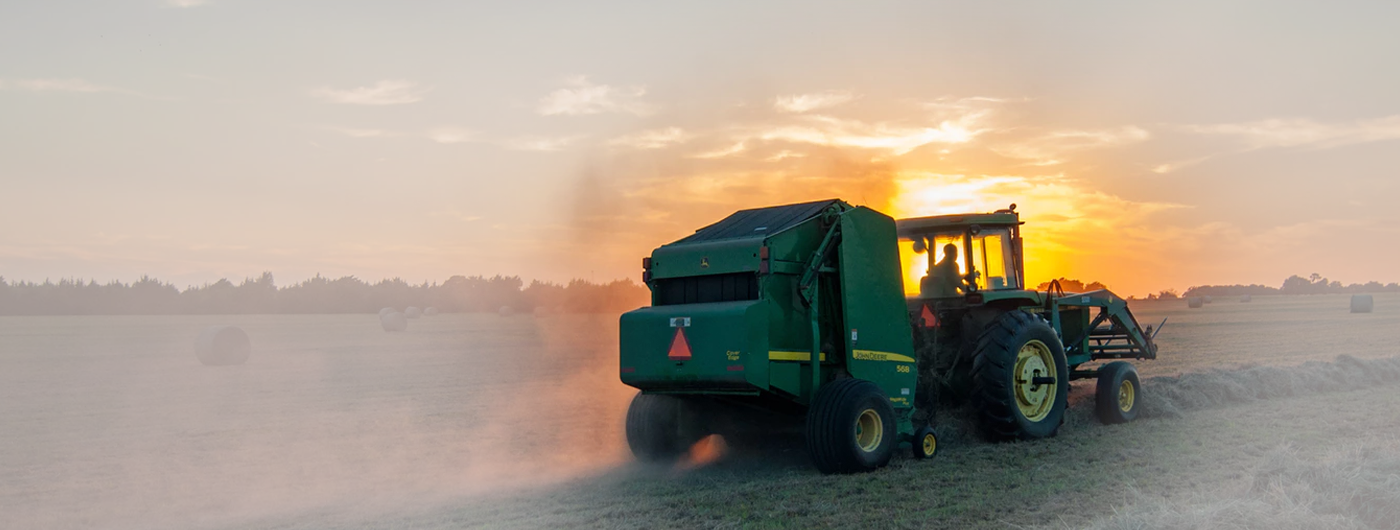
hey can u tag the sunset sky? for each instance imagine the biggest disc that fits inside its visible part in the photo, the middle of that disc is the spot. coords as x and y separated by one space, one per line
1147 146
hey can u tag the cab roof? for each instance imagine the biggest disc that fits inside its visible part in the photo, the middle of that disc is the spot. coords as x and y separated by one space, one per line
917 225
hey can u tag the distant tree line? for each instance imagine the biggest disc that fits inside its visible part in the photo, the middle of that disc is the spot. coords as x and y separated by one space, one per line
1072 286
1165 294
459 294
1313 284
1076 286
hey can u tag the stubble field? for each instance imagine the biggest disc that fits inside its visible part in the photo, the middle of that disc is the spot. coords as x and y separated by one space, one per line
482 420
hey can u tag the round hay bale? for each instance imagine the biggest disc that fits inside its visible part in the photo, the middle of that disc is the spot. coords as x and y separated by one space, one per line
386 311
412 312
1362 303
222 346
541 311
430 311
394 322
1207 299
506 311
1246 299
1194 302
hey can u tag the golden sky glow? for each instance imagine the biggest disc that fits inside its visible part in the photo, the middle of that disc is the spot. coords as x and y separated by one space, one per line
1064 221
223 139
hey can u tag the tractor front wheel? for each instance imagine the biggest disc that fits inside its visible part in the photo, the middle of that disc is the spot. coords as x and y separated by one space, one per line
1020 381
851 427
657 427
1118 393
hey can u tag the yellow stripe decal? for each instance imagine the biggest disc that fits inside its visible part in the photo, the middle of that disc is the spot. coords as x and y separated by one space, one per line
804 356
867 355
863 355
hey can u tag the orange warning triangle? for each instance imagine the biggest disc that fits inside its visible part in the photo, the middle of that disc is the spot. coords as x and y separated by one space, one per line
928 319
680 349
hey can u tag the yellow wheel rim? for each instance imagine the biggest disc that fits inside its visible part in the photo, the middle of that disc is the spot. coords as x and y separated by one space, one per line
870 429
930 444
1126 395
1032 361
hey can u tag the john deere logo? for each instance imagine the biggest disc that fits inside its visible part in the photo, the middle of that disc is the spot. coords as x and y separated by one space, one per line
704 263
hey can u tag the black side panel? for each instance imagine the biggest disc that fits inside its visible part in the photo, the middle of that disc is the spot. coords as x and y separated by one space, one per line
733 287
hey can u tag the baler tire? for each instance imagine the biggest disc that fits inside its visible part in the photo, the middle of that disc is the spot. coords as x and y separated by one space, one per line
925 443
994 383
654 429
836 424
1118 393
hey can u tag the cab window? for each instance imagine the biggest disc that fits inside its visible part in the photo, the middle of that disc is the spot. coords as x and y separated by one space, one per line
991 257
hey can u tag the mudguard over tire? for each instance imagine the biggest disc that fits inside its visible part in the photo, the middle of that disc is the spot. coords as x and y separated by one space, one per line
1118 393
851 427
1020 381
657 429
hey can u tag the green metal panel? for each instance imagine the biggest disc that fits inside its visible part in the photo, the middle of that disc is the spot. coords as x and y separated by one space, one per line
1020 297
879 341
1074 326
789 377
1114 333
795 245
700 259
728 343
788 325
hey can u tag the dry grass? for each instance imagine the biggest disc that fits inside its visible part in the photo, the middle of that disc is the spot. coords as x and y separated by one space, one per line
1356 487
1246 463
336 424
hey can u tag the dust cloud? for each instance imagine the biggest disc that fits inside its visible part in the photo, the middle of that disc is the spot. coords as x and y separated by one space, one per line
111 422
623 205
711 154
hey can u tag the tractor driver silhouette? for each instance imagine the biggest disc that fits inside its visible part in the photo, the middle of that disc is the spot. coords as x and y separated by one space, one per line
943 279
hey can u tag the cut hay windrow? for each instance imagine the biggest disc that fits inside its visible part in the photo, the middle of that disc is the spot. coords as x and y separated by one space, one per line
1172 396
1352 487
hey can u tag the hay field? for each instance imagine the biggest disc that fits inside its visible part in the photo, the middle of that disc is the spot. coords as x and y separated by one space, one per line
482 420
112 422
1278 330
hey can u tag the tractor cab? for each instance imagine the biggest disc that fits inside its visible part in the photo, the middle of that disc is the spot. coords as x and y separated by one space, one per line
962 255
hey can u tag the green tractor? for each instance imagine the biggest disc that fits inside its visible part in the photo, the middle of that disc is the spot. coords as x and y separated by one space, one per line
796 316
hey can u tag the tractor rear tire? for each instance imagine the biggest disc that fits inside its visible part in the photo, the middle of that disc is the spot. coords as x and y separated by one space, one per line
1013 351
656 427
851 427
1118 394
925 443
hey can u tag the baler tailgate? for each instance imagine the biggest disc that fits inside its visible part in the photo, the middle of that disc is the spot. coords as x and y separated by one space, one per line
713 347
